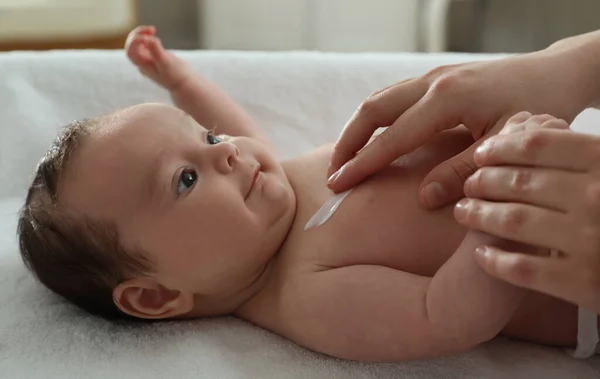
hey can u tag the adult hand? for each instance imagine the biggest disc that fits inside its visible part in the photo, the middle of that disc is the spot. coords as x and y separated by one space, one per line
481 96
539 183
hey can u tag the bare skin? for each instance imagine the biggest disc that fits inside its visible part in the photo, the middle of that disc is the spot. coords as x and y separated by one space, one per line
380 229
537 185
383 280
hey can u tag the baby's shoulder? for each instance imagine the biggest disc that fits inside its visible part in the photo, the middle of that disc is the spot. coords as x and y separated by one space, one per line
314 159
316 153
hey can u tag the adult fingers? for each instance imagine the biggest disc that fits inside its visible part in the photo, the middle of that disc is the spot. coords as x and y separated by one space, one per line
445 182
551 148
379 110
542 187
516 222
413 128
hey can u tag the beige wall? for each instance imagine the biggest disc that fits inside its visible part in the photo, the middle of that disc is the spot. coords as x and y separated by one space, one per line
522 25
477 25
176 21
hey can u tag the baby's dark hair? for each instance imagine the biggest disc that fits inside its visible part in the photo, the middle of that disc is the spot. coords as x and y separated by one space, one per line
75 256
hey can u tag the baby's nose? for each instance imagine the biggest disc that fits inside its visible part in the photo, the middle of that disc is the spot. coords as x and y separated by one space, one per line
228 157
233 155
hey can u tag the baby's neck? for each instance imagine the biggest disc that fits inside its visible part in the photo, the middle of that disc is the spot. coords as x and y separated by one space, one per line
227 304
273 249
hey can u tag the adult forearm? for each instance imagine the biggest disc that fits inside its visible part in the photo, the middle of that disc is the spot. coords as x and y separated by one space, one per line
578 58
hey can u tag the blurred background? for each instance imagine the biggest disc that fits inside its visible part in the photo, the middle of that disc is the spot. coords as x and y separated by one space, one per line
328 25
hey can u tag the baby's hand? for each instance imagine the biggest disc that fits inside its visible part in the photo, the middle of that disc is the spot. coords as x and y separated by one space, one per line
145 50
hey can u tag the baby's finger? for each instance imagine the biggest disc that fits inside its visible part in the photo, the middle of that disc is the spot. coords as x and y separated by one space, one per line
146 30
563 278
156 49
138 52
139 31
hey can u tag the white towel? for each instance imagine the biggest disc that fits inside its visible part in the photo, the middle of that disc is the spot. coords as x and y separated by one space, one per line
302 100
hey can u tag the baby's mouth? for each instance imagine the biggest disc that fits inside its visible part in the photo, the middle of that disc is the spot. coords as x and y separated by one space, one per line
254 180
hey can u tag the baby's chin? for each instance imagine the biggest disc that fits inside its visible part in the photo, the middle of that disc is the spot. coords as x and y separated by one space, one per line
278 194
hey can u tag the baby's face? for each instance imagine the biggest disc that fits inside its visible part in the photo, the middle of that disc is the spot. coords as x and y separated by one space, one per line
208 211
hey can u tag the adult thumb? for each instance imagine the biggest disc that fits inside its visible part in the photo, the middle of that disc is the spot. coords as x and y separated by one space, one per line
445 182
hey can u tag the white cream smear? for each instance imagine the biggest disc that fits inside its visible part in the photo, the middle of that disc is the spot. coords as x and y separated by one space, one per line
327 210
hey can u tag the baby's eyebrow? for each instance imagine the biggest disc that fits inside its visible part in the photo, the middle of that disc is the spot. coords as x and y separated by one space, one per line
151 183
189 121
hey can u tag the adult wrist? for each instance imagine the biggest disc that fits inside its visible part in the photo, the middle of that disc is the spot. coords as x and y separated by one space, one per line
578 58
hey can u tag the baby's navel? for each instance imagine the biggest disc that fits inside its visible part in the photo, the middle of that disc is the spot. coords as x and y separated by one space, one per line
327 210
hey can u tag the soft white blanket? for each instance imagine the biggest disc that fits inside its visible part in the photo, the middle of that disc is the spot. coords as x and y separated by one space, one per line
302 100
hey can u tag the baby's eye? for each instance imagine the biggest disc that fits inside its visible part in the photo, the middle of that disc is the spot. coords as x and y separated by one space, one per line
212 139
187 179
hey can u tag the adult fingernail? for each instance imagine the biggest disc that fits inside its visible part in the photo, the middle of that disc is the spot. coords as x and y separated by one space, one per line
335 175
460 209
434 194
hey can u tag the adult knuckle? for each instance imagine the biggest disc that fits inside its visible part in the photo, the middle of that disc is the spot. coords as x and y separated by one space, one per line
521 270
368 107
438 71
446 84
518 118
511 128
521 181
387 139
512 218
475 184
532 142
473 214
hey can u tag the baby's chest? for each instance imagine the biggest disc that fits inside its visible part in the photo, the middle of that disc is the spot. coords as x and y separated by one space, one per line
379 223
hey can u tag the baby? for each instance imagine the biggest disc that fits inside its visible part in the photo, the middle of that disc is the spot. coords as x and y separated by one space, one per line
148 214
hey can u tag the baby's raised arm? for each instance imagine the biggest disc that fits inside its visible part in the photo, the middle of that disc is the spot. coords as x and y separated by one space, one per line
190 92
409 316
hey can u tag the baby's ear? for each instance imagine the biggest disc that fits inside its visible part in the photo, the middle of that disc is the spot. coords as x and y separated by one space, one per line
146 298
